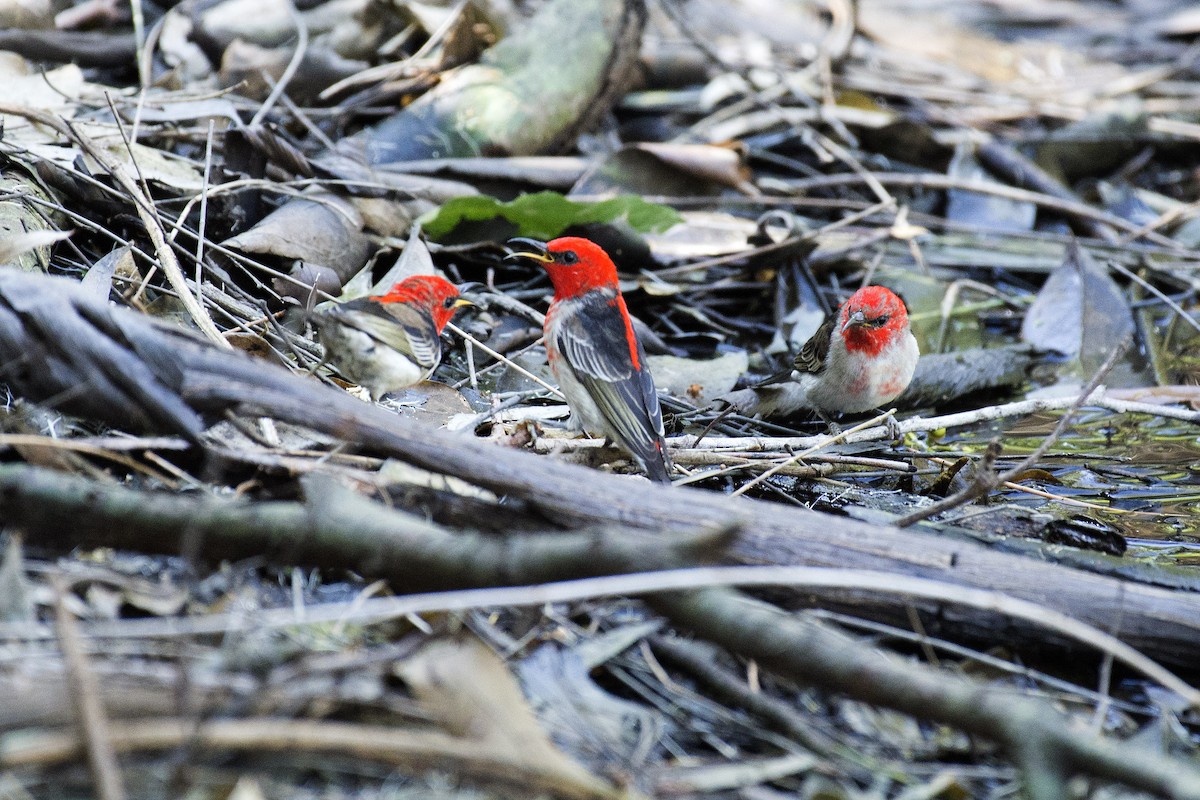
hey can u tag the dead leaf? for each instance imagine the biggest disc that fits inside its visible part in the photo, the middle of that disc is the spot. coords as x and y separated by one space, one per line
262 22
985 211
1080 312
26 231
99 279
27 14
702 234
414 260
473 696
16 245
323 230
607 733
711 377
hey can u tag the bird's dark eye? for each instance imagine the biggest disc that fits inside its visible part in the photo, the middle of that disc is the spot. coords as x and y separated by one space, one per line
881 320
569 257
449 302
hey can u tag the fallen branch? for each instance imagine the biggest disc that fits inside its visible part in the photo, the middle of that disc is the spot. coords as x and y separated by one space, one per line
418 750
610 554
797 647
165 380
175 378
1098 399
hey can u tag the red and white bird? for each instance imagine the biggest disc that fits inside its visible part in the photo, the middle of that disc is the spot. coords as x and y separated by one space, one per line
594 353
859 359
390 341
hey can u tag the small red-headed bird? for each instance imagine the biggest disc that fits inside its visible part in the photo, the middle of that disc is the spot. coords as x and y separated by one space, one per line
594 353
859 359
393 340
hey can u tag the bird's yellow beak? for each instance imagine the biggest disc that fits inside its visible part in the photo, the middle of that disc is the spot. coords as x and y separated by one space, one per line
533 250
471 293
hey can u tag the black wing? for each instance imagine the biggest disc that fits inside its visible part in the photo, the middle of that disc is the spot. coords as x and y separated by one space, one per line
813 354
811 358
593 343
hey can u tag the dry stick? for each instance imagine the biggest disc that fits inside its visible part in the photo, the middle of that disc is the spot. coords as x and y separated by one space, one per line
918 424
383 609
822 464
503 359
145 211
985 482
835 44
828 441
571 493
699 658
85 693
415 749
730 465
1171 304
796 647
77 446
1033 677
202 228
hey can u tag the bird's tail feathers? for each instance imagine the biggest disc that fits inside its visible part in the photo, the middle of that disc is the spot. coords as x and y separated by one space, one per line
783 376
658 468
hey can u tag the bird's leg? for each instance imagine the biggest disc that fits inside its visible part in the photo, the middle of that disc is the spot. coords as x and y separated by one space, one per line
571 425
324 360
834 428
893 428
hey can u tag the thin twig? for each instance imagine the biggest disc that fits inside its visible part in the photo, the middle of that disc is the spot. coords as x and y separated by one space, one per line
85 695
824 443
145 211
476 343
1154 290
382 609
987 481
289 71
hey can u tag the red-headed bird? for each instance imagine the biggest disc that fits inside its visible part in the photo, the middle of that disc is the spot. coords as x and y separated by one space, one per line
859 359
594 353
393 340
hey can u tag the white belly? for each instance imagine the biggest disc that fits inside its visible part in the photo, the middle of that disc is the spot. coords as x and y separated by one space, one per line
362 359
853 383
585 414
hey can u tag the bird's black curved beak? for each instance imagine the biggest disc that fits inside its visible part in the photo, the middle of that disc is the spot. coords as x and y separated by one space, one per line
528 248
857 318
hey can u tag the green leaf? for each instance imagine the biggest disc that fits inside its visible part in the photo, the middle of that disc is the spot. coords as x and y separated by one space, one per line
545 215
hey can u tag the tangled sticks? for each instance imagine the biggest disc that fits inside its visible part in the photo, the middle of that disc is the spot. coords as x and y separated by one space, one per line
61 346
68 349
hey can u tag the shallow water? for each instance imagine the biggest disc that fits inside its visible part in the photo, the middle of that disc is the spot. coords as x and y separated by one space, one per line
1143 471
